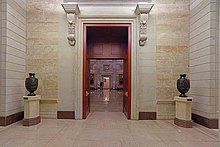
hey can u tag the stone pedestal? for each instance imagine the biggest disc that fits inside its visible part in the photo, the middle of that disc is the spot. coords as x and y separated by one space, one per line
183 111
31 110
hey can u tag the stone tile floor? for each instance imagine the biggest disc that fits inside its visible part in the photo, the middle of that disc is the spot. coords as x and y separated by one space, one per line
106 129
106 100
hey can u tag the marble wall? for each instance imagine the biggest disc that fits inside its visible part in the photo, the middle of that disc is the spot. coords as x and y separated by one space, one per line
1 58
204 57
50 56
42 48
13 53
218 63
172 37
164 57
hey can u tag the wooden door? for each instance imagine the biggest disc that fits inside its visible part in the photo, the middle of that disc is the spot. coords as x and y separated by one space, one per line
113 50
127 78
125 89
86 79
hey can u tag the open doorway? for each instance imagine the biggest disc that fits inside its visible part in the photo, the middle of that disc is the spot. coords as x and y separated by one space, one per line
107 43
106 86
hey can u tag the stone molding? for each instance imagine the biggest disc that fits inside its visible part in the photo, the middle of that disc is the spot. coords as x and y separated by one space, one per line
165 109
71 9
48 101
108 20
143 10
107 2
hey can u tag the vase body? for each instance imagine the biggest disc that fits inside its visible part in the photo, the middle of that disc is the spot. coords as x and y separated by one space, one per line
31 84
183 85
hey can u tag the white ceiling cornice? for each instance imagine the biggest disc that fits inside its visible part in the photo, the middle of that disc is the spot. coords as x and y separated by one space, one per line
107 2
71 8
113 8
143 8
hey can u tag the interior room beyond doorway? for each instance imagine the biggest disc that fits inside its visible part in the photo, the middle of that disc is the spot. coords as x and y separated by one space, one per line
106 85
107 68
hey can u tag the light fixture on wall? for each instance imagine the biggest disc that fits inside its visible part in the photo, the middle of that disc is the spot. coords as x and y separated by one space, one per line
143 9
71 9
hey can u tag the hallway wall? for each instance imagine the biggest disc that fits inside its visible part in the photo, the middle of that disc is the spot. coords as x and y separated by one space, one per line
51 57
12 62
172 51
163 58
146 68
115 67
203 60
218 47
1 58
159 62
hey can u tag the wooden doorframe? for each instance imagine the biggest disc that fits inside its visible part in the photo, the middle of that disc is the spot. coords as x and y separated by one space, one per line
85 57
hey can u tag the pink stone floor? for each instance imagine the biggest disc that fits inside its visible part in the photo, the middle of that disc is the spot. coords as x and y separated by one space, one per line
106 100
106 129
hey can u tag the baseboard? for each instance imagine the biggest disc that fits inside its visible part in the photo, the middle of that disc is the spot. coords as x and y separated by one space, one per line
209 123
31 121
147 115
183 123
7 120
65 114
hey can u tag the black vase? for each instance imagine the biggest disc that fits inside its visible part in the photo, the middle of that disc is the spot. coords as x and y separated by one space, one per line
31 84
183 85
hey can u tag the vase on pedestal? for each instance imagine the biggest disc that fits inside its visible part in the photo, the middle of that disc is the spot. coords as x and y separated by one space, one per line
31 84
183 85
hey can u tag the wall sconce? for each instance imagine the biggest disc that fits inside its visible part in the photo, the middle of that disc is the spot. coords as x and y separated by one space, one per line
71 9
143 9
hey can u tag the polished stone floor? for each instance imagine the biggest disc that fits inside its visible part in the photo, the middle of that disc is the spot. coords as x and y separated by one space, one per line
106 100
106 129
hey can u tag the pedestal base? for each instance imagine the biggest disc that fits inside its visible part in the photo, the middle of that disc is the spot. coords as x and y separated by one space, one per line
31 110
31 121
183 123
183 111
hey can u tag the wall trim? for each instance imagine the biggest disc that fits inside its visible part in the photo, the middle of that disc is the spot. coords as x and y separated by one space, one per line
31 121
48 101
147 115
7 120
209 123
65 114
183 123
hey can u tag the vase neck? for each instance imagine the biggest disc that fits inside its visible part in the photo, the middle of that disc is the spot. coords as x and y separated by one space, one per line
31 74
183 75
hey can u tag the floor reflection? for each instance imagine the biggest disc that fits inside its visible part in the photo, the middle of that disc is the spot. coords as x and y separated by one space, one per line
106 100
